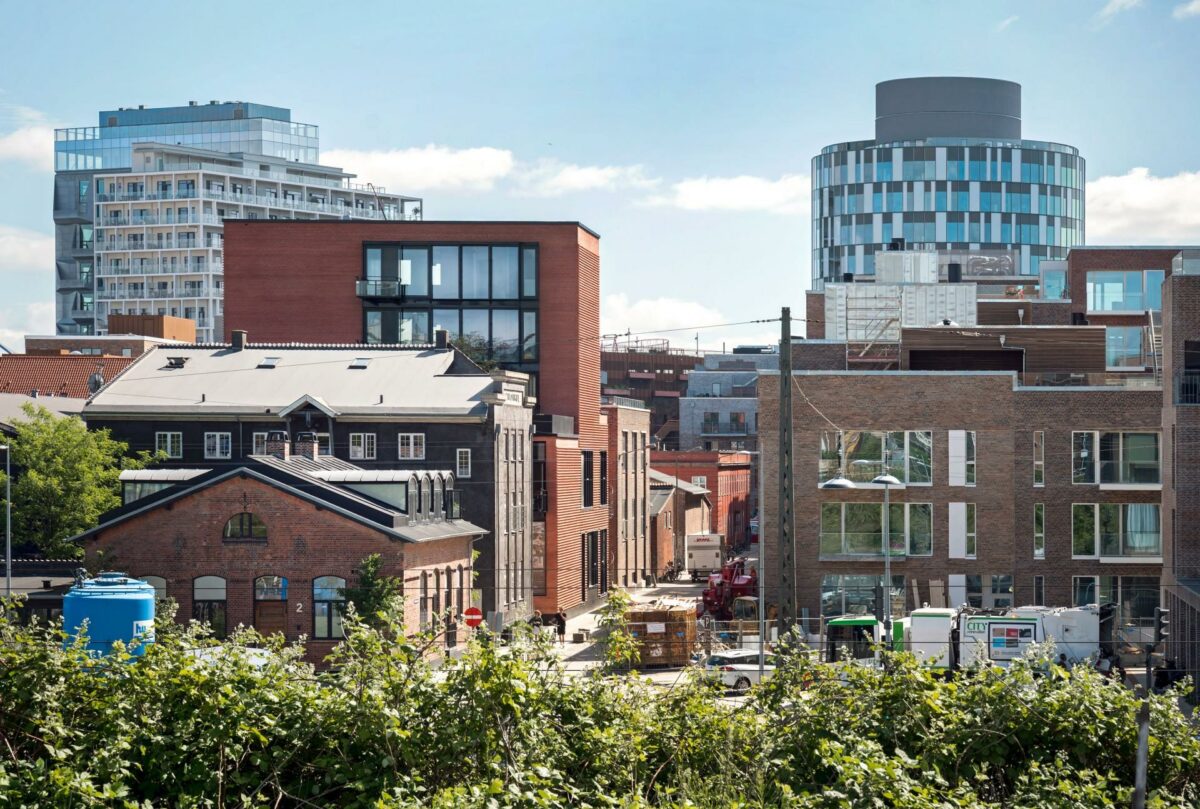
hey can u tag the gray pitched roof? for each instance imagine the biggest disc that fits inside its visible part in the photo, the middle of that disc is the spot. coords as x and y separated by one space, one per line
658 501
216 379
670 480
11 406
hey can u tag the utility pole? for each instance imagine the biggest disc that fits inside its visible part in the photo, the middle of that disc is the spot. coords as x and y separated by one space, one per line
787 520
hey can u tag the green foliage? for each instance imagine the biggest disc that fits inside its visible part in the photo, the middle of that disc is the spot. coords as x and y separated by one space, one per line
375 595
620 646
68 477
506 726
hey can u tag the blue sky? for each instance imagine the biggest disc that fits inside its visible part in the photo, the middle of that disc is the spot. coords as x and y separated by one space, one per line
682 132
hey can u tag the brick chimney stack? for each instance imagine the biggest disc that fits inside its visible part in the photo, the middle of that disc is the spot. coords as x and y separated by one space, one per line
278 444
306 446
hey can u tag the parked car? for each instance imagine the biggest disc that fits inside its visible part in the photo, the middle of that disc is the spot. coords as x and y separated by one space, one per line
737 669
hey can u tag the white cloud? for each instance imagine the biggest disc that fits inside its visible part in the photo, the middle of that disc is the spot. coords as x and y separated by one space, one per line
1139 208
1114 7
1007 21
679 321
31 141
787 195
426 168
19 320
1183 10
24 250
549 178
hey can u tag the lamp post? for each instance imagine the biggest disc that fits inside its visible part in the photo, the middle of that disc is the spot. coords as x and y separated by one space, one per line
7 518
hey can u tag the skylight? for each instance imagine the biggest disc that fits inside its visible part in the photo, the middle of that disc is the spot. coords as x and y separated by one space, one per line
269 362
360 362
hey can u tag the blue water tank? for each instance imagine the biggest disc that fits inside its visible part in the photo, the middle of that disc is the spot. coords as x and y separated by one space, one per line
115 607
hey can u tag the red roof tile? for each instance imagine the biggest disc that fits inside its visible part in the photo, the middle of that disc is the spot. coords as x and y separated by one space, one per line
56 376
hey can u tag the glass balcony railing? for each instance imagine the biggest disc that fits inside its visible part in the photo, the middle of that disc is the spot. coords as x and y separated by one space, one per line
1131 544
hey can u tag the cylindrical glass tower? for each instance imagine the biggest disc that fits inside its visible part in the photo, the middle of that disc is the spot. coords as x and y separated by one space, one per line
947 170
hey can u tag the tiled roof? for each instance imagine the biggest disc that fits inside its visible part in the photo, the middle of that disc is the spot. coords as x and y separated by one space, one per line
56 376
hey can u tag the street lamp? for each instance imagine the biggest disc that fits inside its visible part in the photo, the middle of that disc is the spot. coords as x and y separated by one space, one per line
7 519
887 481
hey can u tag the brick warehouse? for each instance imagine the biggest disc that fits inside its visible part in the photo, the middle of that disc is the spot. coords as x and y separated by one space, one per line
525 295
296 542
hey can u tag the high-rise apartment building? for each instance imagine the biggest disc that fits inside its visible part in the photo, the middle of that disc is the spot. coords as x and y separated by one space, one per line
947 170
139 202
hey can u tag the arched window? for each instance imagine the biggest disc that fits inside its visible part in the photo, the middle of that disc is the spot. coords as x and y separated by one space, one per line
329 600
208 603
414 496
270 604
437 592
427 489
245 526
159 584
461 582
438 501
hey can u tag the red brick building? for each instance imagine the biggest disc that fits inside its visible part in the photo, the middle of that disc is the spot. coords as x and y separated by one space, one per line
652 372
270 544
726 475
525 295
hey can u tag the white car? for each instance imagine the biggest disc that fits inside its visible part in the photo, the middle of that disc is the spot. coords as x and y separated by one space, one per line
737 669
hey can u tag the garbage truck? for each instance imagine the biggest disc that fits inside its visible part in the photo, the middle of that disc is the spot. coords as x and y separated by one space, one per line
953 638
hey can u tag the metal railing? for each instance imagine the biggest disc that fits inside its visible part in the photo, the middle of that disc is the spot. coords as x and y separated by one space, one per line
154 219
119 294
160 268
1189 388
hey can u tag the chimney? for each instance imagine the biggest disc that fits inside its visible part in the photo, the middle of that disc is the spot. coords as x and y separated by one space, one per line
441 338
306 446
239 339
278 444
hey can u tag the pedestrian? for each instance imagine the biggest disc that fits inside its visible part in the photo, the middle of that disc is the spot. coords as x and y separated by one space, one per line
560 620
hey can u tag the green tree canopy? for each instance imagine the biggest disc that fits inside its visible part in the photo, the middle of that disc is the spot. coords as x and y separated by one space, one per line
64 477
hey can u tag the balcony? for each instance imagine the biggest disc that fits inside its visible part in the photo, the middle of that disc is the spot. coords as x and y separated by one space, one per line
119 245
160 268
123 294
157 220
377 289
727 428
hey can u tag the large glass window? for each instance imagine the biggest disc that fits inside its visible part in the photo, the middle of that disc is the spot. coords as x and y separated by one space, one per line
1124 290
329 597
851 594
505 273
1054 285
245 525
856 529
529 272
1123 458
414 272
506 335
374 264
474 271
1123 347
859 455
375 326
444 279
529 346
447 319
1127 530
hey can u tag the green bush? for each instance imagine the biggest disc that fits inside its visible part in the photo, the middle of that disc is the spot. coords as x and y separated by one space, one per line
505 726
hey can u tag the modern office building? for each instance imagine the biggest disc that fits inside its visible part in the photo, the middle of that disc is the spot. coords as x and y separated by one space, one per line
139 201
947 169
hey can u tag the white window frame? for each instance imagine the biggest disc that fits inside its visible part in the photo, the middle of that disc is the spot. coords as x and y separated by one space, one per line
410 446
215 451
1039 458
908 444
362 446
258 443
1094 461
1039 537
907 510
962 454
171 439
462 463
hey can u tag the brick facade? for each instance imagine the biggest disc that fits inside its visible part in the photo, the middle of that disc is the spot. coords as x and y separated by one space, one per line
727 476
1003 420
183 540
628 523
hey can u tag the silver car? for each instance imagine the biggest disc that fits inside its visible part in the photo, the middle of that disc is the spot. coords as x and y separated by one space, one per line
737 669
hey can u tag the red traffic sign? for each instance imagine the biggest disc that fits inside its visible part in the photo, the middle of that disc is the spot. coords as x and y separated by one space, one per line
473 617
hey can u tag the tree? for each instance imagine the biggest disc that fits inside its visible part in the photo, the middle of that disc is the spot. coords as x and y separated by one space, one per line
375 595
65 476
477 350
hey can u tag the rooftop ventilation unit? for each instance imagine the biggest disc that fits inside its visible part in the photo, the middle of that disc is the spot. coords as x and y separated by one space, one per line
176 362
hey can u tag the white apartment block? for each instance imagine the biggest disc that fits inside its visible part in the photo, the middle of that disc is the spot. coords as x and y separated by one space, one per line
158 225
